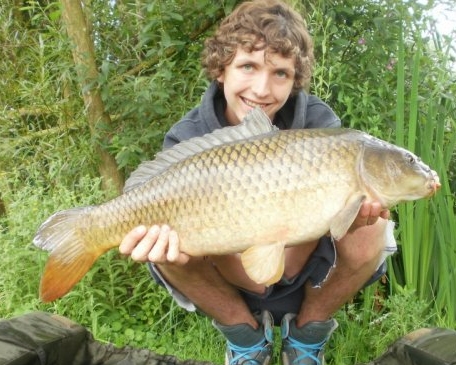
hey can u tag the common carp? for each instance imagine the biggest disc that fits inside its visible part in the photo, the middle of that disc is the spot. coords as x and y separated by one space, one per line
250 189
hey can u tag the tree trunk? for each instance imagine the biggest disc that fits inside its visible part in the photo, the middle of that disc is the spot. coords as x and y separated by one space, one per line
2 206
84 59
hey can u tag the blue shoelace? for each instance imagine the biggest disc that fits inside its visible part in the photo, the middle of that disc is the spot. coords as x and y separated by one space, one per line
309 351
244 354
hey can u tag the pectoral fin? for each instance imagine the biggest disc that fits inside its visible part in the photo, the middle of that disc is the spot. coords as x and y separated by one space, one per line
264 264
344 219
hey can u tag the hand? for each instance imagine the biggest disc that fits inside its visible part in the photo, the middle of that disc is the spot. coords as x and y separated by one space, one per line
368 215
157 244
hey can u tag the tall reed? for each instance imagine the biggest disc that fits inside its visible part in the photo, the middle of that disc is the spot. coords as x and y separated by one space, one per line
427 228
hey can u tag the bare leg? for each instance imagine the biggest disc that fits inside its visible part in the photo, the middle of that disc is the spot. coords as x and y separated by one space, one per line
358 255
202 284
211 284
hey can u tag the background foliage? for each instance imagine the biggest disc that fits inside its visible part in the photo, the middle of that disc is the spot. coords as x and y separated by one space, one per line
380 65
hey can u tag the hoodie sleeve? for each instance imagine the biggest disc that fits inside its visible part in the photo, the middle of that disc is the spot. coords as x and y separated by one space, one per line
191 125
320 115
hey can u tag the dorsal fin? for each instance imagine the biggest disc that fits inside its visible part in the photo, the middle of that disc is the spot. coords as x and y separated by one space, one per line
254 124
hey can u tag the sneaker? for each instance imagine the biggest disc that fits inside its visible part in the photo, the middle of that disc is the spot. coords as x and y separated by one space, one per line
246 346
304 346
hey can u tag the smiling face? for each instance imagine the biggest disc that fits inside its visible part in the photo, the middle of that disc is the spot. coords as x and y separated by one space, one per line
257 78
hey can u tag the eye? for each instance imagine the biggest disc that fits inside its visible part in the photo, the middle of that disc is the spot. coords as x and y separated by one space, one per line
247 67
410 158
282 74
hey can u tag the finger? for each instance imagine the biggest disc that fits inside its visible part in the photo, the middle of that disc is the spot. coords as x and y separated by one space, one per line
371 220
385 214
142 249
375 209
364 210
174 255
362 217
158 252
182 259
173 247
131 239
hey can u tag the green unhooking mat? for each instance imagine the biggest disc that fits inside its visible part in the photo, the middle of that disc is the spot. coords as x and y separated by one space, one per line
43 339
426 346
39 338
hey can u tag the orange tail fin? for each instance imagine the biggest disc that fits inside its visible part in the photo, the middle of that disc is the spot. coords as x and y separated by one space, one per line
61 275
65 235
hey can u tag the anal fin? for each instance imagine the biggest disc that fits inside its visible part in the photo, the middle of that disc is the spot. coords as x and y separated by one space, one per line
264 264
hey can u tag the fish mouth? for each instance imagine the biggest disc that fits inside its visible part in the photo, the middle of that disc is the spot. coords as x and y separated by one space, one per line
434 183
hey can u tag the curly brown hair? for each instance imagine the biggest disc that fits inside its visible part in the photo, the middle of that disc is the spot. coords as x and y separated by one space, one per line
261 24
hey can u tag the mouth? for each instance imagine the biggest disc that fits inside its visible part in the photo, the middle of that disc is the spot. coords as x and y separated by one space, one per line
253 104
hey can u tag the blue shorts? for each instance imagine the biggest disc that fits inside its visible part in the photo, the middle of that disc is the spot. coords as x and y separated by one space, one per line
285 296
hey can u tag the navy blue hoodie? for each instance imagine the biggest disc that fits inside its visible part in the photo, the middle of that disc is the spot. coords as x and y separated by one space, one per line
300 111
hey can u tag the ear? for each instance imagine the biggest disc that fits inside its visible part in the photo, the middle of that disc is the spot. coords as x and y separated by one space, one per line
221 78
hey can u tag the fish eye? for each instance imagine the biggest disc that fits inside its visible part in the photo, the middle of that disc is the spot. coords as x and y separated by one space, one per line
410 158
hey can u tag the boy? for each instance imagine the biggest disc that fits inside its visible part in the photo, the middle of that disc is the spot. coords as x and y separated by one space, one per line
262 55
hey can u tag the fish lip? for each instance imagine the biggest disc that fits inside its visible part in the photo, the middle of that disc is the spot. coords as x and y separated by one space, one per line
436 186
433 186
433 183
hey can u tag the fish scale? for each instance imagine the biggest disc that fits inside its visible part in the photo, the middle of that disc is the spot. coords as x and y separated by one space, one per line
248 189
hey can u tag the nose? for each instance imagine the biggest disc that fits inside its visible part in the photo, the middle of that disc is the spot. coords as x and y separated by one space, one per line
261 85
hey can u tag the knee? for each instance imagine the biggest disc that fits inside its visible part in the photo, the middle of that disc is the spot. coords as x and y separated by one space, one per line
364 246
